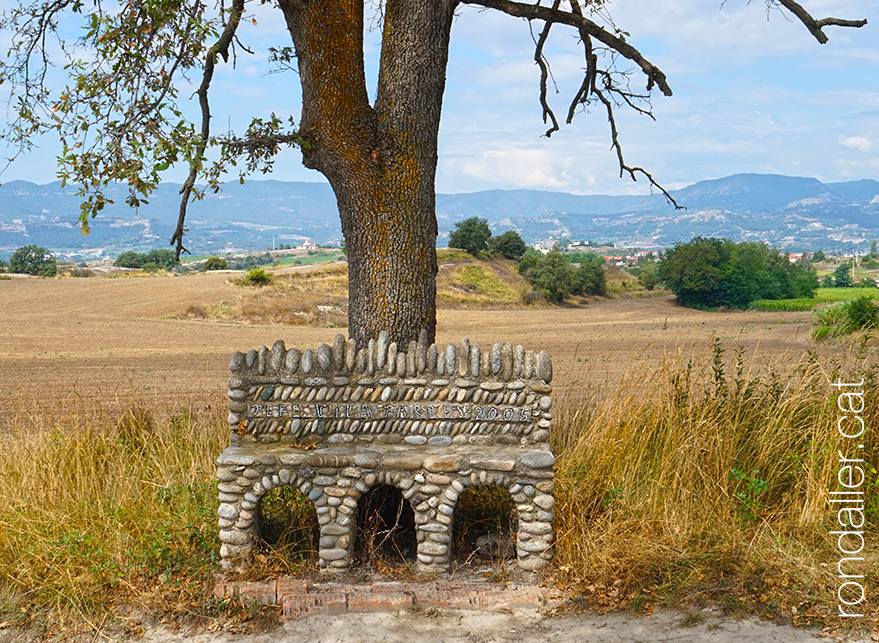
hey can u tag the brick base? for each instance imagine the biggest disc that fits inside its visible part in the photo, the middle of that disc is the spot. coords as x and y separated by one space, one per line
300 598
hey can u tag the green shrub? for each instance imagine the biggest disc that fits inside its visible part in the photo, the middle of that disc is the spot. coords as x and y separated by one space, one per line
163 259
845 317
214 263
257 277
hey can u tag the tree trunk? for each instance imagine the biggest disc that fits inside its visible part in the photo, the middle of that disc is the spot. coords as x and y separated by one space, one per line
381 161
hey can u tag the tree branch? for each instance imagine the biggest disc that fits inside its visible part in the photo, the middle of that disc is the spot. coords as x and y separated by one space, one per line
541 61
535 12
221 47
815 26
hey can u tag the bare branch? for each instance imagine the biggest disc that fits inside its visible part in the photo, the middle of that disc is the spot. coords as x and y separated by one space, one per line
535 12
541 61
615 144
815 26
221 47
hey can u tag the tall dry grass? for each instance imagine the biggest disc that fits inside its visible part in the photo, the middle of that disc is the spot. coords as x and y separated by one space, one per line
98 509
711 477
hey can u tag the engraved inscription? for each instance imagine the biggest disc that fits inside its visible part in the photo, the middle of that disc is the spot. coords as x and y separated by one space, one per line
393 411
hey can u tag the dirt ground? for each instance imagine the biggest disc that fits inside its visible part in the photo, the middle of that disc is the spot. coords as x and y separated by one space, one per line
512 626
105 337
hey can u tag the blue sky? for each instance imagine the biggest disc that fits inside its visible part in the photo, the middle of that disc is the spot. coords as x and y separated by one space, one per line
751 95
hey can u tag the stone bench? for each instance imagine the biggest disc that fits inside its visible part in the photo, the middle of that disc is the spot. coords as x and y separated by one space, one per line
336 421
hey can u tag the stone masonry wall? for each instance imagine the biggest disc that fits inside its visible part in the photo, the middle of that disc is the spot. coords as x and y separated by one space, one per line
335 422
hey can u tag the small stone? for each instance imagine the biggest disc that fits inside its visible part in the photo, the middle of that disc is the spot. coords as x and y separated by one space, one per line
338 352
442 463
533 545
227 511
334 530
333 554
494 463
350 355
531 564
545 403
366 460
431 358
405 462
544 501
538 459
238 361
381 350
446 509
496 359
392 358
307 362
415 439
432 548
474 360
544 367
439 441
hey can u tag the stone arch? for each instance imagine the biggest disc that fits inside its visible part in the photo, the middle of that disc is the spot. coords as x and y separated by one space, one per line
486 519
286 521
386 523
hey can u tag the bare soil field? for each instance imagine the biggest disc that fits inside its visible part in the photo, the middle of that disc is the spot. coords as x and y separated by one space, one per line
108 337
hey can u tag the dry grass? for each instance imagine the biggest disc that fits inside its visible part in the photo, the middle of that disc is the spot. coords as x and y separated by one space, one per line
309 298
99 511
709 479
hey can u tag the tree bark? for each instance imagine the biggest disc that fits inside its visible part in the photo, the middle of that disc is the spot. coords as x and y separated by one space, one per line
381 161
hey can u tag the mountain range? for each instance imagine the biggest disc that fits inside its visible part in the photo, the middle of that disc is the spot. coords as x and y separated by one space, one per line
791 213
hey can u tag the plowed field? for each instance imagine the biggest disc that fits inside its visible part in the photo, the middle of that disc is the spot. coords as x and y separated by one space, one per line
105 338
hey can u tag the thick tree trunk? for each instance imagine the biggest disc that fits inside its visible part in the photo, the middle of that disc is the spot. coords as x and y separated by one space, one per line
381 162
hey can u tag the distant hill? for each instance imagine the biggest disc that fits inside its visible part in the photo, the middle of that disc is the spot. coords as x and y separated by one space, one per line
792 213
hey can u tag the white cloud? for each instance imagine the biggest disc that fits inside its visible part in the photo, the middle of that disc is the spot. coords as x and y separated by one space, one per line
858 143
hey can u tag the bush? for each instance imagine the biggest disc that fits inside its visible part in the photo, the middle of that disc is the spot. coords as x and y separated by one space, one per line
471 235
214 263
257 277
846 317
842 276
552 275
33 260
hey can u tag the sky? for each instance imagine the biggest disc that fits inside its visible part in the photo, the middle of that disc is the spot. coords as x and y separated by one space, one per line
753 92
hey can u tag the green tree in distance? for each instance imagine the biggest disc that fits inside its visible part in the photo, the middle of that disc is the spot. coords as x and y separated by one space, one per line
120 117
842 276
710 272
471 235
510 245
33 260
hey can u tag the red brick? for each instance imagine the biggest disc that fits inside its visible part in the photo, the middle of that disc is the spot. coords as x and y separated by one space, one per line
391 586
455 599
379 602
288 585
297 605
224 588
509 599
258 591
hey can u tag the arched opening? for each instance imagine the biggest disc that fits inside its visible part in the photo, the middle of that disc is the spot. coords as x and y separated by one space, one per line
287 527
484 526
385 528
